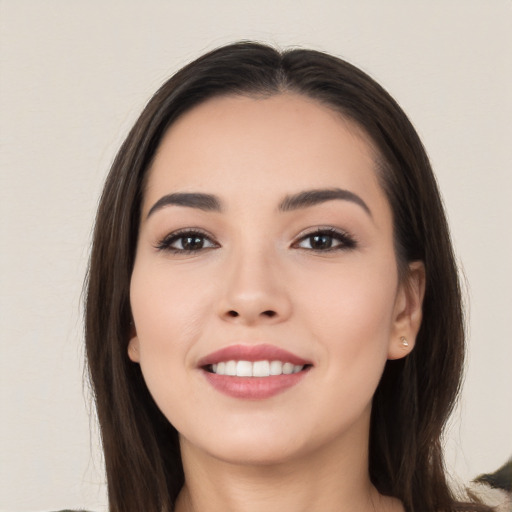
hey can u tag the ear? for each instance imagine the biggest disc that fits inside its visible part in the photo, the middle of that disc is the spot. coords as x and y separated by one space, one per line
407 313
133 345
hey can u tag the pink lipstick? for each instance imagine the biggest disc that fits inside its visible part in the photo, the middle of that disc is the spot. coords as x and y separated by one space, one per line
253 372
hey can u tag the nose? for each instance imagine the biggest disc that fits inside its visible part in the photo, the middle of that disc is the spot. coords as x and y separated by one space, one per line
255 291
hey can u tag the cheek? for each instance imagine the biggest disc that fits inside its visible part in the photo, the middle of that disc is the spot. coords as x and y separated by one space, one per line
169 312
350 311
351 316
161 301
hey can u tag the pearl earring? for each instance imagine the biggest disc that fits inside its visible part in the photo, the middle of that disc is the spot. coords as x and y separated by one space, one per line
404 342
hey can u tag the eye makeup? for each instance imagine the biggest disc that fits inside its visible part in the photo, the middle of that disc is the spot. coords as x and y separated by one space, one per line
186 241
194 240
325 239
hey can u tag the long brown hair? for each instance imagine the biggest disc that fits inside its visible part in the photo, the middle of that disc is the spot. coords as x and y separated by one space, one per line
415 395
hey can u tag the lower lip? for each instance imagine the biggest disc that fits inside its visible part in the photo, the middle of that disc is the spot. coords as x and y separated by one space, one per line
253 388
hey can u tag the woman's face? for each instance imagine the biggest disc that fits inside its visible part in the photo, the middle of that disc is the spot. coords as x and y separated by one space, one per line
266 247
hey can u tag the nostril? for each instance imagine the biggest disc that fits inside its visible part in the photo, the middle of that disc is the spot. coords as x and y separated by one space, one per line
269 313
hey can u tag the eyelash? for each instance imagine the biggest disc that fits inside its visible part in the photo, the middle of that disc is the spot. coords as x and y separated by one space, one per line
345 240
166 243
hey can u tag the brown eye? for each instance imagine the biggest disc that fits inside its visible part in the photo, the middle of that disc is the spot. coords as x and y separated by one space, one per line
186 242
320 242
190 243
326 240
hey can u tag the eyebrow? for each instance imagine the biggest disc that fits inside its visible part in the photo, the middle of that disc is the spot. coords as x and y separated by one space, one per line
205 202
313 197
305 199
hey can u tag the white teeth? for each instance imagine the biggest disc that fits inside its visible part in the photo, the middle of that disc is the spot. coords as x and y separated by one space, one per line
231 368
261 369
244 369
256 369
287 368
276 368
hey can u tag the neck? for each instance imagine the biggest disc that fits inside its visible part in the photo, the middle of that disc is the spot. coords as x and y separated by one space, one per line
323 480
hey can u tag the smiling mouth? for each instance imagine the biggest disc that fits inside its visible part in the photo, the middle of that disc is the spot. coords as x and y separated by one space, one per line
264 368
253 372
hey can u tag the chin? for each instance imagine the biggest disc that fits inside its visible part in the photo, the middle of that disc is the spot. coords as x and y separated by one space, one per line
255 447
256 455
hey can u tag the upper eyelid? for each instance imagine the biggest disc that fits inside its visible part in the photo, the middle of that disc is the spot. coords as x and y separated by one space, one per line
324 230
186 231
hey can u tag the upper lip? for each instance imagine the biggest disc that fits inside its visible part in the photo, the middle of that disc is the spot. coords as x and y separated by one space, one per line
262 352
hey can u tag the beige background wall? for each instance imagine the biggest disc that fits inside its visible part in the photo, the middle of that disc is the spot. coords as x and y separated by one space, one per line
75 74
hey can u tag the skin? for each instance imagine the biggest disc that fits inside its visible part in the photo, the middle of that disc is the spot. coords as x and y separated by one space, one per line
258 280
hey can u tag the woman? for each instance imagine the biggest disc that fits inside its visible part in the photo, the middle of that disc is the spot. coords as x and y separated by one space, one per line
273 314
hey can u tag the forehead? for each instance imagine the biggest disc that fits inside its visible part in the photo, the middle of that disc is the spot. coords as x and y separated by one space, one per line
283 143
